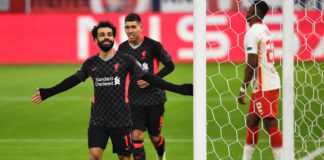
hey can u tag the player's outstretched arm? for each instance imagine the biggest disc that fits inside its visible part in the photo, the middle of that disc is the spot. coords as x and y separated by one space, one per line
184 89
136 70
37 97
44 93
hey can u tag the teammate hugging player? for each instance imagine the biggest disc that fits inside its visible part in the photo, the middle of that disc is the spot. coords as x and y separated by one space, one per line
146 101
110 112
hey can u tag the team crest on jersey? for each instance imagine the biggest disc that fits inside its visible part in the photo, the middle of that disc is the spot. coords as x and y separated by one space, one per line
145 66
116 67
249 48
143 55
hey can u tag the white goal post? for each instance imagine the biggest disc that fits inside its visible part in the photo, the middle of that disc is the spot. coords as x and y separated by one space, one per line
200 147
200 131
288 81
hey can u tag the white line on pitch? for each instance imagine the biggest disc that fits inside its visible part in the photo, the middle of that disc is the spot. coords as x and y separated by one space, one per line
81 98
74 98
169 140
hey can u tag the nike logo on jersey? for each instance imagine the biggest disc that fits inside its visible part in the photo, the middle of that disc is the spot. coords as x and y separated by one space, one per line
93 69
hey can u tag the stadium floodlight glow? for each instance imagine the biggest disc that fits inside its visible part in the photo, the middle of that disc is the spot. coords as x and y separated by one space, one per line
199 13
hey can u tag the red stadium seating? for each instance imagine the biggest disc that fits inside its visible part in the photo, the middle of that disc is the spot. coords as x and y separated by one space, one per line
60 6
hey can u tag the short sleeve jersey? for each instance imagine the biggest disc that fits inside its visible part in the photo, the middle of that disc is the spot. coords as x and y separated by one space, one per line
111 81
258 41
150 53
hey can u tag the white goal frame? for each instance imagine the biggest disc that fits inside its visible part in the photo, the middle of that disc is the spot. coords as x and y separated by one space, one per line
199 115
200 131
288 82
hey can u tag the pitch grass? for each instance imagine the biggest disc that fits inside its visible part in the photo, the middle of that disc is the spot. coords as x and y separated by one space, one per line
57 128
226 118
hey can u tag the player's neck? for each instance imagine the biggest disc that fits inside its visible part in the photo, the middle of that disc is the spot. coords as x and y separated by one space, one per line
138 41
252 22
108 54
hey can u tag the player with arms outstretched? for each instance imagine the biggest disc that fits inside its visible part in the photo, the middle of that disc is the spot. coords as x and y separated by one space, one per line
110 112
146 101
261 72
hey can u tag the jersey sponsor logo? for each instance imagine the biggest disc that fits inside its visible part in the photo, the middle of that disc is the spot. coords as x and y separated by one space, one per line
107 81
117 80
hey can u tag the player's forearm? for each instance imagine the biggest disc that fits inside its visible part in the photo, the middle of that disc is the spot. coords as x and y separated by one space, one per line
167 69
185 89
249 72
61 87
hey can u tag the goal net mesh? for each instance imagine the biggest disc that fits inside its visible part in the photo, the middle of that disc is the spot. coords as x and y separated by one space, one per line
226 126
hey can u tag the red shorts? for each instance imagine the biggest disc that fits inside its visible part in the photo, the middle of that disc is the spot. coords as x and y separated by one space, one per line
265 104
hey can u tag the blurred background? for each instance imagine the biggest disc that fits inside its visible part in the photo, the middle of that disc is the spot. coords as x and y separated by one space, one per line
102 6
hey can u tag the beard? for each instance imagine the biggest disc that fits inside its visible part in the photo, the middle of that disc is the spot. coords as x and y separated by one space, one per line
105 47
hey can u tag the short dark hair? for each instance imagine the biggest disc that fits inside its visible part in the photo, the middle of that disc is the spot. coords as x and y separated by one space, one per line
262 8
102 24
133 17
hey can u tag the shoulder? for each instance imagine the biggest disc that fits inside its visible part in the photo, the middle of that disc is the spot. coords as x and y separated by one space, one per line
88 62
123 45
151 42
123 56
91 59
256 29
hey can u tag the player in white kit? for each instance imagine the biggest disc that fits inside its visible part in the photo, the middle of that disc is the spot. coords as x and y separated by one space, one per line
265 82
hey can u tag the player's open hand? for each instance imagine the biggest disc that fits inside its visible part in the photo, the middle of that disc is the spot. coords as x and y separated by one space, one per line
241 98
37 97
142 84
187 89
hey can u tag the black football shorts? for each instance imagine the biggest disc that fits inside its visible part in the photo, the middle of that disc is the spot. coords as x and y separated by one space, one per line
120 138
148 118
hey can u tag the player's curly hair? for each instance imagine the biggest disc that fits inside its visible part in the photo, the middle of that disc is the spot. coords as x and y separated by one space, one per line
102 24
133 17
262 8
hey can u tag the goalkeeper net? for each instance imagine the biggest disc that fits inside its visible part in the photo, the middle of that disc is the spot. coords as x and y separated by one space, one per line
226 127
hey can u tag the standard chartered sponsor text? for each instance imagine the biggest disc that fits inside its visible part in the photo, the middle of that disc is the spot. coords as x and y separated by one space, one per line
106 81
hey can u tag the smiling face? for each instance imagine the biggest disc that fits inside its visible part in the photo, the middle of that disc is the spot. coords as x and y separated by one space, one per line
105 38
133 30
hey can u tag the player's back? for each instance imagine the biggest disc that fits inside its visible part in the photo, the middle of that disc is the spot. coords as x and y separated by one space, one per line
259 40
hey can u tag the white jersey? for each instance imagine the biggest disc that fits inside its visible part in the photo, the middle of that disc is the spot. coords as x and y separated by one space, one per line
258 41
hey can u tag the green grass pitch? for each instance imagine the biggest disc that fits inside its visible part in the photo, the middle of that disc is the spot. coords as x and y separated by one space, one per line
226 118
57 128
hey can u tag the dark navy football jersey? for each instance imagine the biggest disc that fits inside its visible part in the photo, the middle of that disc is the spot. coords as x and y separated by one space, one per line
111 81
150 53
